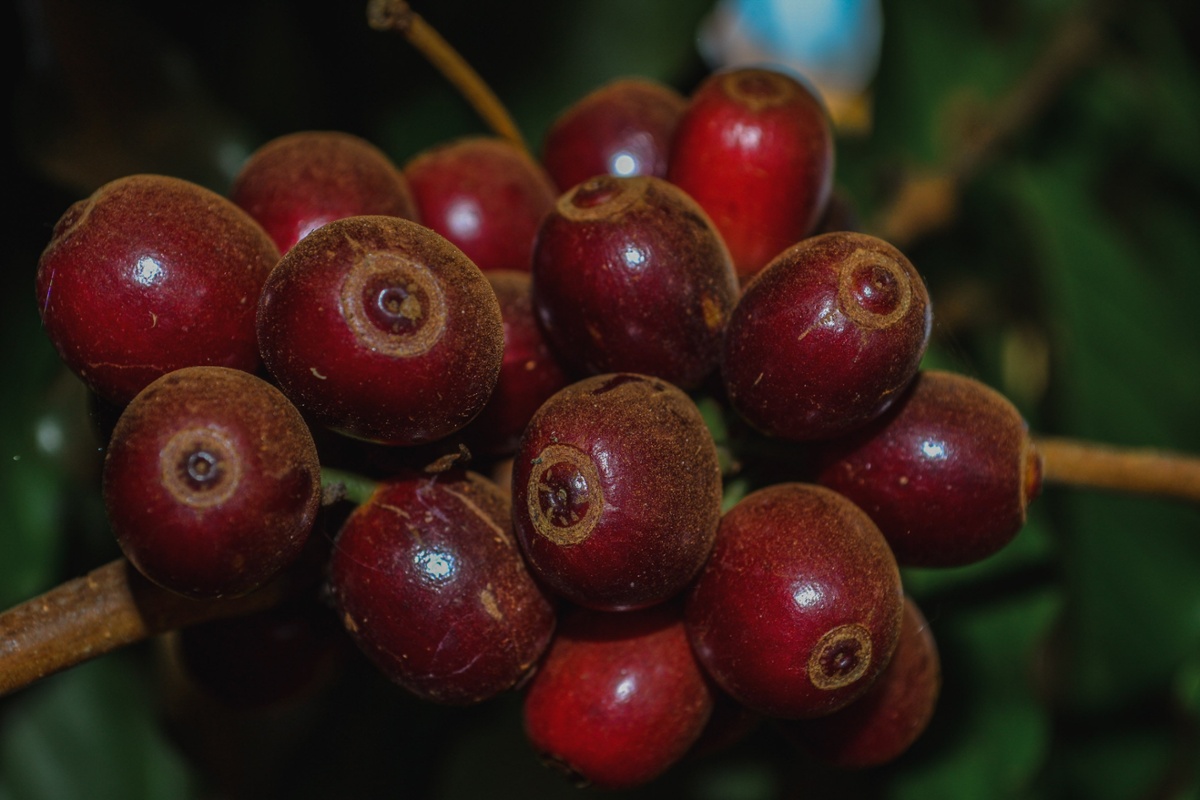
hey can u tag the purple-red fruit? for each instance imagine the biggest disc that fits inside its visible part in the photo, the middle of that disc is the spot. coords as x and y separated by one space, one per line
148 275
619 697
629 275
211 482
431 586
617 491
622 128
826 337
264 658
296 183
381 329
485 195
755 148
946 474
529 375
885 722
798 608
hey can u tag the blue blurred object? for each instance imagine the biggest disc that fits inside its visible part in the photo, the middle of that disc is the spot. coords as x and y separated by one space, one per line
834 44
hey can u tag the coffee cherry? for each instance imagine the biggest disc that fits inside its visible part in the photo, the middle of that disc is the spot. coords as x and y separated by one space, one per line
946 474
484 195
211 482
296 183
261 659
630 275
755 149
825 338
885 722
798 608
431 586
383 330
148 275
617 491
623 128
529 375
619 697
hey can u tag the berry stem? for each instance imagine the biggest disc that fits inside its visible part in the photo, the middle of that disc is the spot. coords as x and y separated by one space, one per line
1137 471
396 15
109 608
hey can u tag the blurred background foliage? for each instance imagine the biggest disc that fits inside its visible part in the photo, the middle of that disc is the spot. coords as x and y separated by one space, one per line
1064 270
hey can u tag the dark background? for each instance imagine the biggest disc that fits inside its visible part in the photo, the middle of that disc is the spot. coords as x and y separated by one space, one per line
1067 277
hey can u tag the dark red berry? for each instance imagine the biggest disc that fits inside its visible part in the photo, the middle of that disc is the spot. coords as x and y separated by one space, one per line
383 330
296 183
885 722
617 491
211 482
148 275
946 474
529 375
431 585
264 658
826 337
755 148
619 697
798 608
623 128
485 195
630 275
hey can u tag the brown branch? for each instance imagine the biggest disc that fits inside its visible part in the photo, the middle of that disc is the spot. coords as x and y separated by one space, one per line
396 15
927 200
109 608
1137 471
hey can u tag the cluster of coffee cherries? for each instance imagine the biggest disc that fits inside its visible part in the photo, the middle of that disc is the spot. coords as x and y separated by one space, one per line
513 349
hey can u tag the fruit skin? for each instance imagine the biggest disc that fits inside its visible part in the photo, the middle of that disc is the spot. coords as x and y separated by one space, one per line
211 482
619 697
354 344
755 148
629 275
432 588
947 473
826 337
529 375
148 275
885 722
616 491
798 609
623 128
298 182
485 195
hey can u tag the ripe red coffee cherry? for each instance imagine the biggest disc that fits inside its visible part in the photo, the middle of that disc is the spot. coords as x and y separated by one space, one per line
381 329
529 375
211 482
885 722
619 697
946 474
630 275
798 608
148 275
431 586
485 195
755 149
296 183
826 337
623 128
617 491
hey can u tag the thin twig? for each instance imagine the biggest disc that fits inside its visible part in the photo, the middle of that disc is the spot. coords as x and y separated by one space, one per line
396 15
927 200
109 608
1145 471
